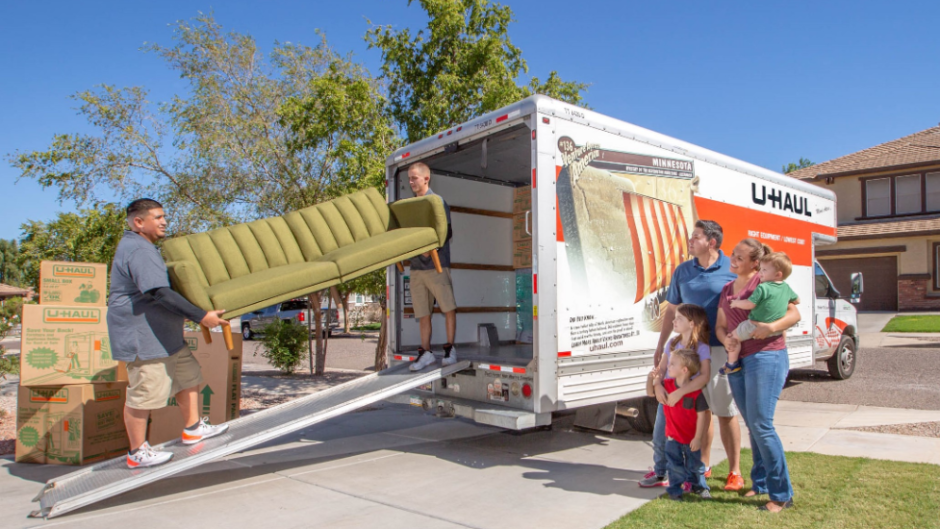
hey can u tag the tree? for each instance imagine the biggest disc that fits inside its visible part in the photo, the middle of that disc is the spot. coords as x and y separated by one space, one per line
802 164
9 270
373 284
89 236
222 153
462 65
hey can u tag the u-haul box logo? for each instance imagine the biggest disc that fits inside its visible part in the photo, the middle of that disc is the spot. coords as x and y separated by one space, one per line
50 395
109 394
78 316
83 272
192 343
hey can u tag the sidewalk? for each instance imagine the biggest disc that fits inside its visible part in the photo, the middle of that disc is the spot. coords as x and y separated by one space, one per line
396 464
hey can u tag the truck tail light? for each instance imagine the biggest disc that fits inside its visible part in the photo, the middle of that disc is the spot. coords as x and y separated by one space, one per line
301 318
526 390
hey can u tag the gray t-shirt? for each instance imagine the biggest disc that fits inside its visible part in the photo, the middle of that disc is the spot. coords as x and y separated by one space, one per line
140 328
419 262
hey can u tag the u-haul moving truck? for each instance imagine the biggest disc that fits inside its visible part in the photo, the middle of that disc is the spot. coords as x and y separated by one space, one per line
608 221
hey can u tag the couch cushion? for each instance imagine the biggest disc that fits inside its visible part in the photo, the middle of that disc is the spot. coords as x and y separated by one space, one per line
265 284
382 247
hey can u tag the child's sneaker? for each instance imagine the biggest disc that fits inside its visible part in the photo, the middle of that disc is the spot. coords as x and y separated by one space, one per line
673 497
687 486
705 494
425 358
651 480
145 456
450 355
734 481
202 431
729 368
708 472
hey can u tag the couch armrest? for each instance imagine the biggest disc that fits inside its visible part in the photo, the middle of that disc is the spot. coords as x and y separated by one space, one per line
422 212
188 280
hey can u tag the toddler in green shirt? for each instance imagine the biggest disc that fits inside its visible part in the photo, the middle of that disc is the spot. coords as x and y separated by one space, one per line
767 304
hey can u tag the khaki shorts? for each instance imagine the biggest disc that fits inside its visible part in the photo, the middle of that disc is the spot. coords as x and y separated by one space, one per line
153 382
718 391
427 286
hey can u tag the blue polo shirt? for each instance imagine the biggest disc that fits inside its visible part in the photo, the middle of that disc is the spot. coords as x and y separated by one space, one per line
691 283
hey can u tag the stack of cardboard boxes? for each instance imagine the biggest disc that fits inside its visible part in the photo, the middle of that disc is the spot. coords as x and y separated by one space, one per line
521 240
70 407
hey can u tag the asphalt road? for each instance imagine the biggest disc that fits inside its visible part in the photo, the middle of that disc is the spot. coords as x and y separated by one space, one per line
893 377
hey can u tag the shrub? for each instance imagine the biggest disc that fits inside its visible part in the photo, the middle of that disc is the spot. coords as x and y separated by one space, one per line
285 342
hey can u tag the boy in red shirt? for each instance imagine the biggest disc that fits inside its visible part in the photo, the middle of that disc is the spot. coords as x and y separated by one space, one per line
686 426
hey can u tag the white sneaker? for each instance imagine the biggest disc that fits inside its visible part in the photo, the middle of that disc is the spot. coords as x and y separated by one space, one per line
425 358
203 431
147 457
450 356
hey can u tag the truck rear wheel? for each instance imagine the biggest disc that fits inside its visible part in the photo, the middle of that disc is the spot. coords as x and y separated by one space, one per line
646 414
842 363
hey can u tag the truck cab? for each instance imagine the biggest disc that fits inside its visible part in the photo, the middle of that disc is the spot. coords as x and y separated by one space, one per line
835 325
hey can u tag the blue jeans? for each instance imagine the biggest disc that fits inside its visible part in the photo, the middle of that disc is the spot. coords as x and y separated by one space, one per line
756 388
660 467
684 465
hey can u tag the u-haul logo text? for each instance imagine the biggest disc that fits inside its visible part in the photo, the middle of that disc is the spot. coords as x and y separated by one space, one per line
55 395
781 200
113 394
79 316
86 272
192 343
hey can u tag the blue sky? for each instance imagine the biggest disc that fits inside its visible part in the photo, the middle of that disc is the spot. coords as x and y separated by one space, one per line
766 82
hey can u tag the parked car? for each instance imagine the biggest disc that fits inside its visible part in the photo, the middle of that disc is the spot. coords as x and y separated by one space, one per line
294 309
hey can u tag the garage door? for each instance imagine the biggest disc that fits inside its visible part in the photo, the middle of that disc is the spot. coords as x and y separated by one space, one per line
880 273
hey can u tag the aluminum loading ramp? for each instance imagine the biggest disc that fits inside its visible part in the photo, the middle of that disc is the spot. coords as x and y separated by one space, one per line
110 478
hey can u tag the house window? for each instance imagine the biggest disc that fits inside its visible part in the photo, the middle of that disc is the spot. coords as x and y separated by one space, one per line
936 266
878 197
900 195
933 191
907 194
359 299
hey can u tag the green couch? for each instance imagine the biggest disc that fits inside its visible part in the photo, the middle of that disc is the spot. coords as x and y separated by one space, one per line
245 267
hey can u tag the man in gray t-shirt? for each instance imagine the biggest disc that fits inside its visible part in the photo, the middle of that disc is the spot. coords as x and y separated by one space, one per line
145 325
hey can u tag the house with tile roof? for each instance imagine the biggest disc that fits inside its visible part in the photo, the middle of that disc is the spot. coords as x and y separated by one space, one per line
888 209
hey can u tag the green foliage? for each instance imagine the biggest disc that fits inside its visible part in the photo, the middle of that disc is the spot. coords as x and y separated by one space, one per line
284 343
89 236
11 314
9 269
462 65
802 164
223 152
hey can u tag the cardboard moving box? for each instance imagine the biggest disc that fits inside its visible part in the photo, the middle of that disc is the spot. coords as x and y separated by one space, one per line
66 345
519 232
521 199
219 395
70 425
83 284
522 254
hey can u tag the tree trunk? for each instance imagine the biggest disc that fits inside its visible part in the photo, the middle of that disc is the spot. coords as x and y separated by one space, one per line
381 358
320 353
344 301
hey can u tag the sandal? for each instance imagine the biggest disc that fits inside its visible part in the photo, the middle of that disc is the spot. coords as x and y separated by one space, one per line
786 505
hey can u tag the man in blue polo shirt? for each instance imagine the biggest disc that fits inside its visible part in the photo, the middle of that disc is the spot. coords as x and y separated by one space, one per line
699 281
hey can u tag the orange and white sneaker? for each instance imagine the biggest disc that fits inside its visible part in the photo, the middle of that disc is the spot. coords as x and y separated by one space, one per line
734 481
145 456
202 431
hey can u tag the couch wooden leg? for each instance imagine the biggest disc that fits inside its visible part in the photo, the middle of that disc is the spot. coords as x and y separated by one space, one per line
206 334
227 335
401 268
437 261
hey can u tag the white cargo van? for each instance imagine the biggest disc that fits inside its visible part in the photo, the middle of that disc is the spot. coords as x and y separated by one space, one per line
567 227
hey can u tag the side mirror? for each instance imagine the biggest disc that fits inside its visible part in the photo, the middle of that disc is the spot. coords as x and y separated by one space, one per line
858 286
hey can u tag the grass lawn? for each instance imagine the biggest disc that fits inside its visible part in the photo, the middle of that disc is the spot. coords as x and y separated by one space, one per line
829 491
913 324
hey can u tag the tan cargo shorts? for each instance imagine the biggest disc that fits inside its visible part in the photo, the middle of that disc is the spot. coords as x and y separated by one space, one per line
427 286
153 382
718 392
